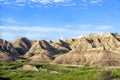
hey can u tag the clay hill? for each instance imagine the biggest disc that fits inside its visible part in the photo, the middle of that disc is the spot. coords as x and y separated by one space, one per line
22 45
7 51
100 49
94 50
43 51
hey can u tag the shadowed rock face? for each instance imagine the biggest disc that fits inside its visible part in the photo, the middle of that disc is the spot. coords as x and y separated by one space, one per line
23 45
63 44
61 48
7 51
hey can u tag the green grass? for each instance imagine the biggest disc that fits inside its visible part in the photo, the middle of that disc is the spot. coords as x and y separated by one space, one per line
9 71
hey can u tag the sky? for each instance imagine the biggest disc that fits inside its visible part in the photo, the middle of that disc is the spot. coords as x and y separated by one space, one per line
57 19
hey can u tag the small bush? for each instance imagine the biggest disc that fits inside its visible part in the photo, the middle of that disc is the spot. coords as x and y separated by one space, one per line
106 75
86 65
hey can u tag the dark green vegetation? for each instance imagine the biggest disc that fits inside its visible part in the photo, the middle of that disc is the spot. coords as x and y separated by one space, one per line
13 71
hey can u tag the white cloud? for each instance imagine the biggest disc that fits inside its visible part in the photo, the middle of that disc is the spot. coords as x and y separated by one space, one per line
48 3
85 26
47 33
81 26
37 28
21 0
42 1
104 27
96 1
92 2
91 27
68 26
58 1
62 37
7 3
38 32
9 19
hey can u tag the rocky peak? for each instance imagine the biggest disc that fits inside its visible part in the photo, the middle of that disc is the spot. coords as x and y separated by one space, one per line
106 40
100 49
22 45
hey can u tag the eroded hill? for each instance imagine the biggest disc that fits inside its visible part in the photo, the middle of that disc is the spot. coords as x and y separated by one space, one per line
93 49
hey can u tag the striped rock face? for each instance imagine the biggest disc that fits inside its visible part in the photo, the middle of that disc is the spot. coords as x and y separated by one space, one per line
7 51
22 45
43 51
101 49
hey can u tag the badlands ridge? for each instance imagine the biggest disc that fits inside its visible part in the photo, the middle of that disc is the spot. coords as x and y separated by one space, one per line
96 50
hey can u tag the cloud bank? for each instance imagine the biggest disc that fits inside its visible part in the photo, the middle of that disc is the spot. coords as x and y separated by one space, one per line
9 20
50 33
49 3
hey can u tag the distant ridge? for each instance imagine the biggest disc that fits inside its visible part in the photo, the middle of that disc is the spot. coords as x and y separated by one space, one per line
101 49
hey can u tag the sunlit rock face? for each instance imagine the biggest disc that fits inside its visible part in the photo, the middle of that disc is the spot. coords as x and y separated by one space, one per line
100 50
43 51
93 49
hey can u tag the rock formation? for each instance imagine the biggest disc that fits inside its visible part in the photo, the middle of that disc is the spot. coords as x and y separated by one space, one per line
63 44
23 45
7 51
41 51
62 48
92 58
94 50
100 49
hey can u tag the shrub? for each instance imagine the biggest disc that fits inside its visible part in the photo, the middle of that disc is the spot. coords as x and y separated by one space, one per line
106 75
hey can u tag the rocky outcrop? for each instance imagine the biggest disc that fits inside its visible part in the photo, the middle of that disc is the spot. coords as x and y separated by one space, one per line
7 51
108 41
100 49
63 44
41 51
93 49
23 45
60 48
32 42
92 58
28 67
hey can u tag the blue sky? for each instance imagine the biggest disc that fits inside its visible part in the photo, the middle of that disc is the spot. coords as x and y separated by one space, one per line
54 19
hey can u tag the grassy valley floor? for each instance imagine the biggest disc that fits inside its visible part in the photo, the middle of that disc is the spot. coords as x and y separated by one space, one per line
45 71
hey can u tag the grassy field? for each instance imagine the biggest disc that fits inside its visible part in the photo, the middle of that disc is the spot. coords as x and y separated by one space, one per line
13 71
